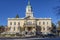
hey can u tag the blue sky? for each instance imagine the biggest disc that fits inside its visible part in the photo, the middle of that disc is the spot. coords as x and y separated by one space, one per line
41 8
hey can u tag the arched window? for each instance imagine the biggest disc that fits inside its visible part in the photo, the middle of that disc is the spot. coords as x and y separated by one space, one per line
18 23
14 23
47 23
10 28
10 23
43 28
14 28
43 23
39 23
18 27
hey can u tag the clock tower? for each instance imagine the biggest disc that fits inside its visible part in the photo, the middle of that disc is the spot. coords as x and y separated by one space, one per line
29 10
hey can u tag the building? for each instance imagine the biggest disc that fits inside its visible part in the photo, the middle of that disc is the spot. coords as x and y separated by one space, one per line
29 25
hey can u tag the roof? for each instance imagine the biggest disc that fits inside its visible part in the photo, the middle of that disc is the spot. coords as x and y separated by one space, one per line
30 18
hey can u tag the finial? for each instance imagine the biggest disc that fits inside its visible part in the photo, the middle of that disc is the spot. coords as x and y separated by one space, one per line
28 2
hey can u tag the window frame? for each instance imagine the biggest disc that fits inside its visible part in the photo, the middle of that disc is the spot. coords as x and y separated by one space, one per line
14 23
43 23
39 23
10 23
18 23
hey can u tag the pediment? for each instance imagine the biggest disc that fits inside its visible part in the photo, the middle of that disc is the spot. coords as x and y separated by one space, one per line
29 17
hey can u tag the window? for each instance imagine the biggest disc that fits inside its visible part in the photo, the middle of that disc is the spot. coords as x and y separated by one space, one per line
10 23
29 10
18 27
14 23
43 23
47 22
29 23
43 28
14 28
10 27
18 23
39 23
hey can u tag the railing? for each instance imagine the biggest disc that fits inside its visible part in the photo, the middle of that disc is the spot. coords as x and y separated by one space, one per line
26 24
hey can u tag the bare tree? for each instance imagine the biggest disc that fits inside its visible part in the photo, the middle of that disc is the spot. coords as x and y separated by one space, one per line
57 11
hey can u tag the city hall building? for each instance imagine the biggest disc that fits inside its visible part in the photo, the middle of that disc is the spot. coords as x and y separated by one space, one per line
29 25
